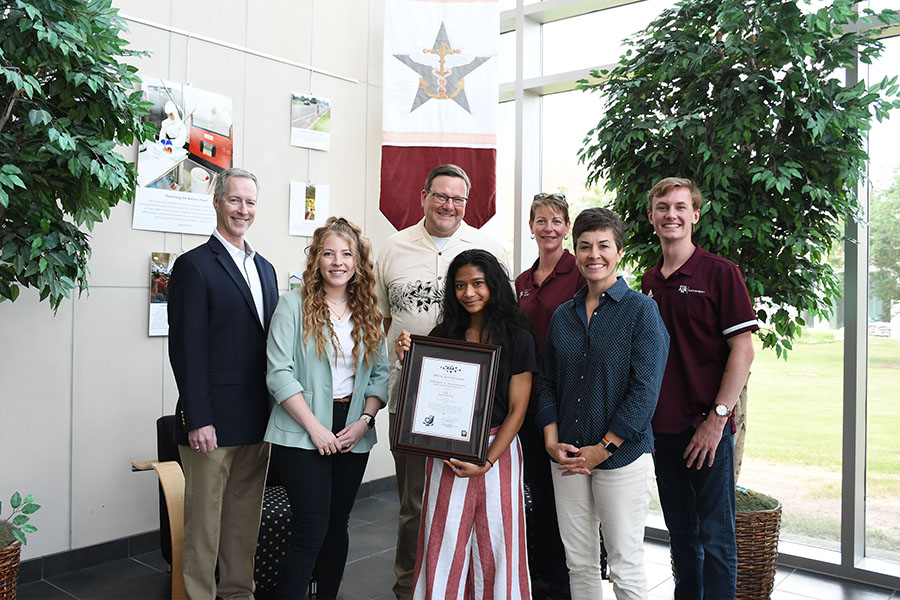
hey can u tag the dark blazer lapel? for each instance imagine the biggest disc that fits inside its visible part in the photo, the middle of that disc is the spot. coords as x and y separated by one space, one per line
269 287
227 263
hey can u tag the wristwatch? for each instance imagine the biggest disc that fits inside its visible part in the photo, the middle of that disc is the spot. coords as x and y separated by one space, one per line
369 419
722 410
611 447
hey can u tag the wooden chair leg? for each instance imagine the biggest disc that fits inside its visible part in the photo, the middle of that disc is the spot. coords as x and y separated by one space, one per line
171 478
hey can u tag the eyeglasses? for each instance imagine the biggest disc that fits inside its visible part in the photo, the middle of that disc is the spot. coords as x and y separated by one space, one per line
556 195
442 199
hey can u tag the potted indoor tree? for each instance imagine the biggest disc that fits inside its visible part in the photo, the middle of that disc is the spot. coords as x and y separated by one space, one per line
12 536
744 98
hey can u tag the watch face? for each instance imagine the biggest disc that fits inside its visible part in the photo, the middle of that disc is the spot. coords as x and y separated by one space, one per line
721 410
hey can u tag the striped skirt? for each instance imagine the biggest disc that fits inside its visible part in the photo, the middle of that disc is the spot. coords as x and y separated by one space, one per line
472 534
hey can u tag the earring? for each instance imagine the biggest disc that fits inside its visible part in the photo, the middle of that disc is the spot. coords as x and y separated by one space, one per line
565 237
532 236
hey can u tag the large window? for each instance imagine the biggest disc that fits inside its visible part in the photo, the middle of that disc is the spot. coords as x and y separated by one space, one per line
882 402
565 119
793 444
500 227
831 410
565 42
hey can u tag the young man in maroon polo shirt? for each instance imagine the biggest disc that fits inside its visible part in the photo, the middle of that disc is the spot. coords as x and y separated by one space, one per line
704 303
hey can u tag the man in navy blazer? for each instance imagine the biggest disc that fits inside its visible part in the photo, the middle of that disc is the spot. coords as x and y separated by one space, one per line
221 298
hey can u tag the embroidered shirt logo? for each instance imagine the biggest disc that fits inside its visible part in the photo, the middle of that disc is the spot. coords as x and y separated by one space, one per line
687 290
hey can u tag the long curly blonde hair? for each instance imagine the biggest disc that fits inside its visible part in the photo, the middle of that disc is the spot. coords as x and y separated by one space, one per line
361 299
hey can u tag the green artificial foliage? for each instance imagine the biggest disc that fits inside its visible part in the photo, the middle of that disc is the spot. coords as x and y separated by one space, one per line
66 102
14 527
744 97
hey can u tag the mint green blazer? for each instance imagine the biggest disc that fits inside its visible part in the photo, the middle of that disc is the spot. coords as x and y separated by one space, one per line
295 367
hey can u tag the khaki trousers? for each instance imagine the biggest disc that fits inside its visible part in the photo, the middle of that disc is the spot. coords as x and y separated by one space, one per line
411 486
223 492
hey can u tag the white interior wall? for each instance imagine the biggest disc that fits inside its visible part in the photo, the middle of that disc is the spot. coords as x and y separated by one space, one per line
81 391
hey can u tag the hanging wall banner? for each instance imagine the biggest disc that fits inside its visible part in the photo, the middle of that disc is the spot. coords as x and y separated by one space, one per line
440 102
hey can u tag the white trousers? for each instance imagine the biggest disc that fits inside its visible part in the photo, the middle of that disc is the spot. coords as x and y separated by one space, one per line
619 500
472 536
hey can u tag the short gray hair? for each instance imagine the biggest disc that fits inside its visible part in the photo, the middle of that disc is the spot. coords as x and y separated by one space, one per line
221 181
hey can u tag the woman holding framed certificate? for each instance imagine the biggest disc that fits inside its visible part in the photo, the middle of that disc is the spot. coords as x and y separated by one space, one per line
328 372
473 521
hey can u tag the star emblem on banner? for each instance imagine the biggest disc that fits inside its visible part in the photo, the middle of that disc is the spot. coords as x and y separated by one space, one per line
443 82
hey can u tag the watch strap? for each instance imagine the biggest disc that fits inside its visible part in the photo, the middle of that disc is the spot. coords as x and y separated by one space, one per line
610 446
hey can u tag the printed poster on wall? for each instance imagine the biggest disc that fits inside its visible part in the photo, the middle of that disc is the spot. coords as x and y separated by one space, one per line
310 122
160 270
175 170
309 207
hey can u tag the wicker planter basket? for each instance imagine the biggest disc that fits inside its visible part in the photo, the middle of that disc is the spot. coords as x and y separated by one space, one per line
9 570
757 548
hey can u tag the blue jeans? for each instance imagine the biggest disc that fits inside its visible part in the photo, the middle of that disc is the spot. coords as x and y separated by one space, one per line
698 506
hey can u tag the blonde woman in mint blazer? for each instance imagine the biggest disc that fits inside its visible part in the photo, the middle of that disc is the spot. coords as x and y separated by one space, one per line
328 372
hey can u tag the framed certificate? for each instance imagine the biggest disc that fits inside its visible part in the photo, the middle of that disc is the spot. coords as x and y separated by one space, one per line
446 399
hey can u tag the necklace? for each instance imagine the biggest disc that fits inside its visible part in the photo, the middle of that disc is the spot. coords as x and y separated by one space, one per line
332 304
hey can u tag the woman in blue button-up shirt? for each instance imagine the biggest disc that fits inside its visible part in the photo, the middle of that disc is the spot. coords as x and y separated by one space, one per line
599 383
328 372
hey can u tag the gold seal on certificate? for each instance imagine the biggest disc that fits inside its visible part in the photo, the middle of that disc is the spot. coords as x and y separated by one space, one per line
446 397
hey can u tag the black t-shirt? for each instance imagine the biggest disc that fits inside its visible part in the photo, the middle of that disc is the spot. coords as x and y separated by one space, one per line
515 358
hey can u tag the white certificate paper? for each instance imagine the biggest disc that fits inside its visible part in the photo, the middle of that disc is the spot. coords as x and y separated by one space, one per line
446 403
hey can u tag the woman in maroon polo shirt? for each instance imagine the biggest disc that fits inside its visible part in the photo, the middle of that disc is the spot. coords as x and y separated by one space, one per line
550 281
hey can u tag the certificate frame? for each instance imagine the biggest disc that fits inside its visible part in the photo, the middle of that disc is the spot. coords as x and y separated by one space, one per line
407 435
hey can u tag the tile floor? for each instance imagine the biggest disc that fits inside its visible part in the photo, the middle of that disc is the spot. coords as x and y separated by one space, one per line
369 572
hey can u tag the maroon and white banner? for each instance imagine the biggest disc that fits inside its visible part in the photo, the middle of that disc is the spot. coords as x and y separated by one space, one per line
440 102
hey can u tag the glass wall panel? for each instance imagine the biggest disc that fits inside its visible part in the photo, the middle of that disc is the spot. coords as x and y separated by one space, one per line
596 38
507 66
794 431
501 226
565 120
882 402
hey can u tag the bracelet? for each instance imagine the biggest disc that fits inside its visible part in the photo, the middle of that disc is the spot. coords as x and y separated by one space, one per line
489 460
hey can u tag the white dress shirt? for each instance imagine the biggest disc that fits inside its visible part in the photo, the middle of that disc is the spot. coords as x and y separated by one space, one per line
243 258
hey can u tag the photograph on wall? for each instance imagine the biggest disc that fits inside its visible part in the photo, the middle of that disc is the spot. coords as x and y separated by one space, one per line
175 170
309 207
160 270
310 122
295 279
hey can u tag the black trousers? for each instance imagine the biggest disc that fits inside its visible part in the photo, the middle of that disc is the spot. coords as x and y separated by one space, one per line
321 490
543 530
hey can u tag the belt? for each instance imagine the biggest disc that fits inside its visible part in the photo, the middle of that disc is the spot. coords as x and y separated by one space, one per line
343 400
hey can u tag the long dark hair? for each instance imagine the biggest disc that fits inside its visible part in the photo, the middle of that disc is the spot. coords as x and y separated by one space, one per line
502 315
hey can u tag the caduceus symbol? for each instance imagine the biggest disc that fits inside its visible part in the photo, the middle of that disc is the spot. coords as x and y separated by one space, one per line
442 73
